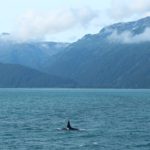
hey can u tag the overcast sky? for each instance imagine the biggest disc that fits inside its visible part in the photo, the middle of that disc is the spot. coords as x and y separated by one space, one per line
65 20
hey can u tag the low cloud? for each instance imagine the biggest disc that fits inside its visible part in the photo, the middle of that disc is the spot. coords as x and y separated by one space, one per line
120 10
37 25
127 37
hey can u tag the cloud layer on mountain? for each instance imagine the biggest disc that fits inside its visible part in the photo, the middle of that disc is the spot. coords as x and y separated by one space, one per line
69 24
35 25
127 37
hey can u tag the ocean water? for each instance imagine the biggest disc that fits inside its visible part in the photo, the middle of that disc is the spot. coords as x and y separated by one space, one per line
30 119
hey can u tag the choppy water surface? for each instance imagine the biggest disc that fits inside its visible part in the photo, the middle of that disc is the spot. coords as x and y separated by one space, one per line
109 119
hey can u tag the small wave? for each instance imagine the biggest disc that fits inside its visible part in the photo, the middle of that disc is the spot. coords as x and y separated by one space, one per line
81 145
82 129
95 143
58 129
143 145
89 144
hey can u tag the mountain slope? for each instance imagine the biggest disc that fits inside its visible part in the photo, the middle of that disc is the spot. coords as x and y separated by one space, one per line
95 61
33 54
20 76
117 57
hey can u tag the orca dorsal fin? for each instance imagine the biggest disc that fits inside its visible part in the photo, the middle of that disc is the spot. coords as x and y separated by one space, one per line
68 125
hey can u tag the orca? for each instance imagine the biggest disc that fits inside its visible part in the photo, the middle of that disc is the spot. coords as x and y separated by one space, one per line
70 128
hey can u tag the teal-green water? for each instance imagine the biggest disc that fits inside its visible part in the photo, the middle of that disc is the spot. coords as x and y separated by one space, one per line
108 119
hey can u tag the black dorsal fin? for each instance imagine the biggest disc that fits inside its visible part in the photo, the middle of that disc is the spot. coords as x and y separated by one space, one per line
68 125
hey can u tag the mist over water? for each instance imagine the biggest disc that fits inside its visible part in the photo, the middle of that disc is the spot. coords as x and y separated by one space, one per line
108 119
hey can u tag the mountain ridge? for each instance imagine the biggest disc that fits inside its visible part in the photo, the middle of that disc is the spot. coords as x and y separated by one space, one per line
95 61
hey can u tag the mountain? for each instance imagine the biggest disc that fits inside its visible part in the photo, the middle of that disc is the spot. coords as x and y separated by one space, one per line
31 54
135 26
116 57
19 76
98 61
